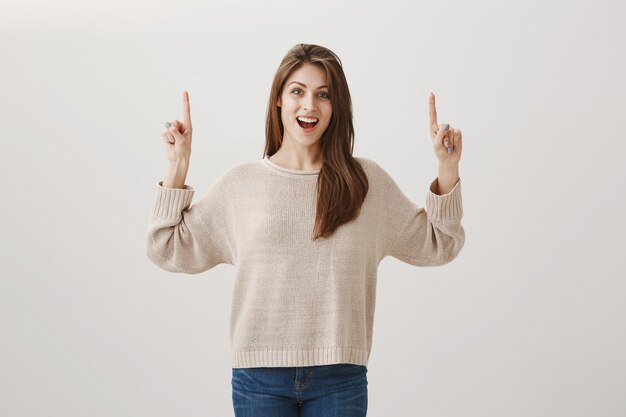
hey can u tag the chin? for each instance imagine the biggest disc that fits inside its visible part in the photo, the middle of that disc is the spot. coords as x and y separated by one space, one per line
304 139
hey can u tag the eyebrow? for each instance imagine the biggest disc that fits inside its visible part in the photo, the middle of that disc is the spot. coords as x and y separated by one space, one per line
304 85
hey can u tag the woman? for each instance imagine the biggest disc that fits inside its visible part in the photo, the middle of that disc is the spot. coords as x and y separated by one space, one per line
305 227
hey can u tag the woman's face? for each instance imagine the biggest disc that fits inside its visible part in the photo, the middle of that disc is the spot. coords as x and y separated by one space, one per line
305 93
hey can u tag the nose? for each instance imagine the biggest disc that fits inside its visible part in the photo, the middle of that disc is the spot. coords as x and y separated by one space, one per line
309 102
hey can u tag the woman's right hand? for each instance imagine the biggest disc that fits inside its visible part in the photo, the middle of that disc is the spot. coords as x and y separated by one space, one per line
177 136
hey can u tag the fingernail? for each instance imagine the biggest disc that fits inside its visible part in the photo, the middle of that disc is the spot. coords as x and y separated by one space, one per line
449 151
167 124
446 126
447 143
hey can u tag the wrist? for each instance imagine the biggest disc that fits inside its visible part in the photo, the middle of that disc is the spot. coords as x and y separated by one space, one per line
176 174
448 177
448 165
449 170
179 162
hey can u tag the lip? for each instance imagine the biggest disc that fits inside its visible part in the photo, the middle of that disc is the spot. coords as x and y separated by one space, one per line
306 131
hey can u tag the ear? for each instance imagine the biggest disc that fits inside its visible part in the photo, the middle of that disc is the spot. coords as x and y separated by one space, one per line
278 103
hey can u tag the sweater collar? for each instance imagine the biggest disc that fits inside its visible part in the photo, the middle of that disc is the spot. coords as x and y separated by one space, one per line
296 172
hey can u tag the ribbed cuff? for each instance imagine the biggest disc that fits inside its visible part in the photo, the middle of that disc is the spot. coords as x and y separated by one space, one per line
446 206
170 202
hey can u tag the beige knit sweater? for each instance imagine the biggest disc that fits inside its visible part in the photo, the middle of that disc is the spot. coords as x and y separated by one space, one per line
295 301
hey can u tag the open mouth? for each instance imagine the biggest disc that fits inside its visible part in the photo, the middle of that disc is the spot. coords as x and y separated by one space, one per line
307 125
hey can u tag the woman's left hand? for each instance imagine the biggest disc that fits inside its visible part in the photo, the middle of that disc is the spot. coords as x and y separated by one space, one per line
448 143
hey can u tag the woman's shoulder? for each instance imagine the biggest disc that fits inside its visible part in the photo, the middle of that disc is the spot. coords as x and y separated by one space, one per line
367 163
240 170
234 175
372 169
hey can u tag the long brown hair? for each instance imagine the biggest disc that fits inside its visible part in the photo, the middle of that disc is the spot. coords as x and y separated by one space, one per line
342 184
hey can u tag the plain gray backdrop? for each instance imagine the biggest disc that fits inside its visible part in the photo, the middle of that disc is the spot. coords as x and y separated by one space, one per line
529 320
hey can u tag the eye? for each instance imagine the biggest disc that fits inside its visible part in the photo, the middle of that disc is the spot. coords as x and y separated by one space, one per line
324 95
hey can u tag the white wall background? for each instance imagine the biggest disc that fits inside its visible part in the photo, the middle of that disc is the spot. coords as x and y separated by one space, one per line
529 320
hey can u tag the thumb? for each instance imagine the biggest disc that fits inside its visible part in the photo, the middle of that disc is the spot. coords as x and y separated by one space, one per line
178 125
177 135
443 131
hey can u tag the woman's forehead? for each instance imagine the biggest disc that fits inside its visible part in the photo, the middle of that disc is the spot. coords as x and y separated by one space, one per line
309 75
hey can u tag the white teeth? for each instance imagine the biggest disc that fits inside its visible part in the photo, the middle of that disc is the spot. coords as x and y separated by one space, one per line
306 119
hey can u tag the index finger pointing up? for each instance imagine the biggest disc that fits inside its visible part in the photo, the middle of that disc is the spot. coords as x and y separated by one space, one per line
186 109
432 110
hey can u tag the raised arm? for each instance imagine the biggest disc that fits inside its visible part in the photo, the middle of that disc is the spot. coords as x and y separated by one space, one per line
181 237
434 235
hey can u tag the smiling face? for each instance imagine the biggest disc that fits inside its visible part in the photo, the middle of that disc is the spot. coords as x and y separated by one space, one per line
305 93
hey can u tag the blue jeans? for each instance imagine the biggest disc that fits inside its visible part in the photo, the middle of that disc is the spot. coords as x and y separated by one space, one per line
338 390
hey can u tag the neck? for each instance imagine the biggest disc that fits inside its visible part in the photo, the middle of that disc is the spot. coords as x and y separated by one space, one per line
298 158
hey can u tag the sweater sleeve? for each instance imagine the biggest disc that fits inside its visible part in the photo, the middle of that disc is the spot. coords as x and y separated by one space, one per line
429 236
188 239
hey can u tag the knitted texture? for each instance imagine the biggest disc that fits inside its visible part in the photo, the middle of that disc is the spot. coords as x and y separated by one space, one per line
298 301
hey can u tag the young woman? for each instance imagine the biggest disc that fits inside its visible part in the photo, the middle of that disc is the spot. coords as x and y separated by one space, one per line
305 227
